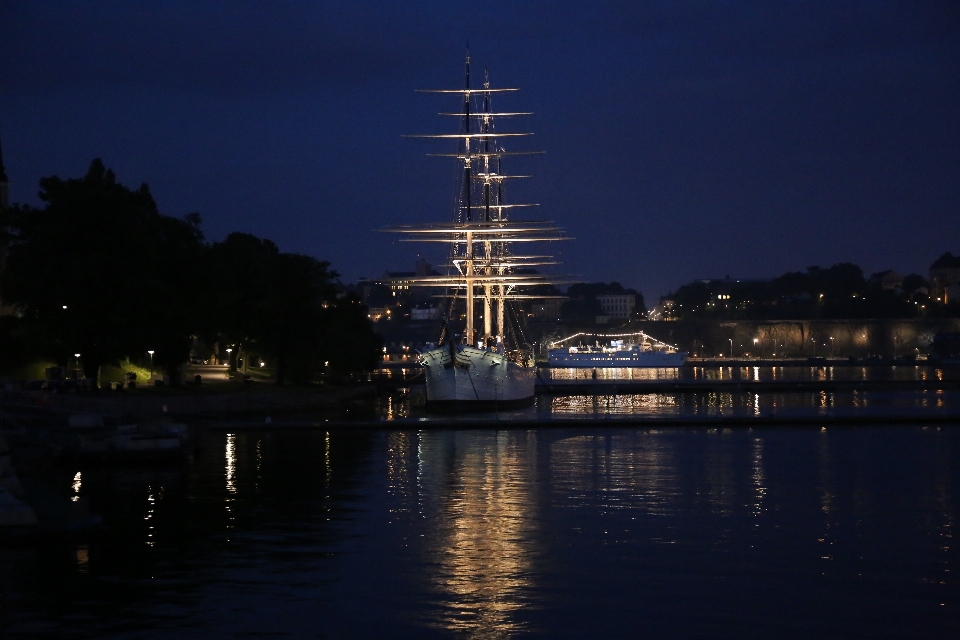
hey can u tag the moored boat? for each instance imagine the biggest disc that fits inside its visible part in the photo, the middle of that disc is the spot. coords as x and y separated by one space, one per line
647 352
489 362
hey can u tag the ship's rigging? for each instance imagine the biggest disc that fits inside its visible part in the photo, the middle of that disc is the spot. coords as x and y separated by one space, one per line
485 265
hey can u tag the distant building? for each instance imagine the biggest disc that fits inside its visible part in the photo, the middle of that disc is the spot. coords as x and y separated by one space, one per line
402 285
888 280
425 312
944 273
617 305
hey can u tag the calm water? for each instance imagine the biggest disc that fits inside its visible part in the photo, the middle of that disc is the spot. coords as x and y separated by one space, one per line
608 532
740 403
759 373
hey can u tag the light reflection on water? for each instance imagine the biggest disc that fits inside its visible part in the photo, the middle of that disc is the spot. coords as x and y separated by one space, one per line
560 532
483 550
732 401
743 403
746 373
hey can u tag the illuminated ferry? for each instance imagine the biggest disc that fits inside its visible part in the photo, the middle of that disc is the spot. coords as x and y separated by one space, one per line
646 352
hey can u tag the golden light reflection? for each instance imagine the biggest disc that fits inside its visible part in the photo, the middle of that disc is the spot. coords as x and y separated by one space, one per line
484 550
83 558
76 487
231 466
326 458
231 475
614 404
259 462
758 477
152 498
400 472
616 373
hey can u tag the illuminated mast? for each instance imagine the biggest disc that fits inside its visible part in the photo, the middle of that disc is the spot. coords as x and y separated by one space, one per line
482 234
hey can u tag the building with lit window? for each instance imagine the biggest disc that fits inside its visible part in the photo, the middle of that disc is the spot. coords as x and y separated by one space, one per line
617 305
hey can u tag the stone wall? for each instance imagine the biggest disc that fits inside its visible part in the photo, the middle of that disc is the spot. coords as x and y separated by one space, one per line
802 338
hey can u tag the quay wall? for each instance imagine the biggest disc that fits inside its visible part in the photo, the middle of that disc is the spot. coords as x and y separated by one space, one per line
785 338
803 338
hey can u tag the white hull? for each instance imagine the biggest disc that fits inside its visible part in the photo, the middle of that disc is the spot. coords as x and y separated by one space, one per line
475 376
622 358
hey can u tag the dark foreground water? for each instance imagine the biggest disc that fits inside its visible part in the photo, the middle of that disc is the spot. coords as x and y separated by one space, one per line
608 532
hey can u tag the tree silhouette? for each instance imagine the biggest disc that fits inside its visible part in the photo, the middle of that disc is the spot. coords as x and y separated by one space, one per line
100 272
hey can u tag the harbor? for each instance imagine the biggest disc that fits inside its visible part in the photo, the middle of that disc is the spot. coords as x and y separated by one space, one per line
479 320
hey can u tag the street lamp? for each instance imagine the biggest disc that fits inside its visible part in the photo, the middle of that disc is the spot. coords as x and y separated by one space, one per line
831 347
755 344
151 361
731 346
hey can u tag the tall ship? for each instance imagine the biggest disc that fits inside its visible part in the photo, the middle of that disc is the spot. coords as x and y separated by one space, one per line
640 350
483 358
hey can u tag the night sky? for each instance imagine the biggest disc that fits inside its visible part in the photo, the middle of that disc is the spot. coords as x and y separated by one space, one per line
683 139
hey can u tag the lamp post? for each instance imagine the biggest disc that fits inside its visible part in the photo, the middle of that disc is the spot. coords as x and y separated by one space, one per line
731 346
832 353
755 344
151 362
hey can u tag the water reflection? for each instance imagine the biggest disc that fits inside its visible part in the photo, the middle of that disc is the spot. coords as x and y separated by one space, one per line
628 471
483 548
230 471
561 532
76 486
744 403
759 481
746 373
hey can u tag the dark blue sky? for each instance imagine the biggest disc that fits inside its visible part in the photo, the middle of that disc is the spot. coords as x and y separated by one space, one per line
684 139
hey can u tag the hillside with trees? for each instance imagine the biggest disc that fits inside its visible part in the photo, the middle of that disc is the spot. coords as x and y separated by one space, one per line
99 271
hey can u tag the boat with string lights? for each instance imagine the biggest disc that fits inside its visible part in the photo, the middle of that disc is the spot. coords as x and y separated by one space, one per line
483 358
640 350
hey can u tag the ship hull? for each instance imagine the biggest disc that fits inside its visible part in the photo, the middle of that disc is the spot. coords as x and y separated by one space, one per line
469 379
561 358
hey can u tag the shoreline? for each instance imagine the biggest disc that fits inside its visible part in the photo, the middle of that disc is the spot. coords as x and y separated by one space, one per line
607 420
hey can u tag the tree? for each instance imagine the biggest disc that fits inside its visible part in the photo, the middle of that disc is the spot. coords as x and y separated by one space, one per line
285 305
100 272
